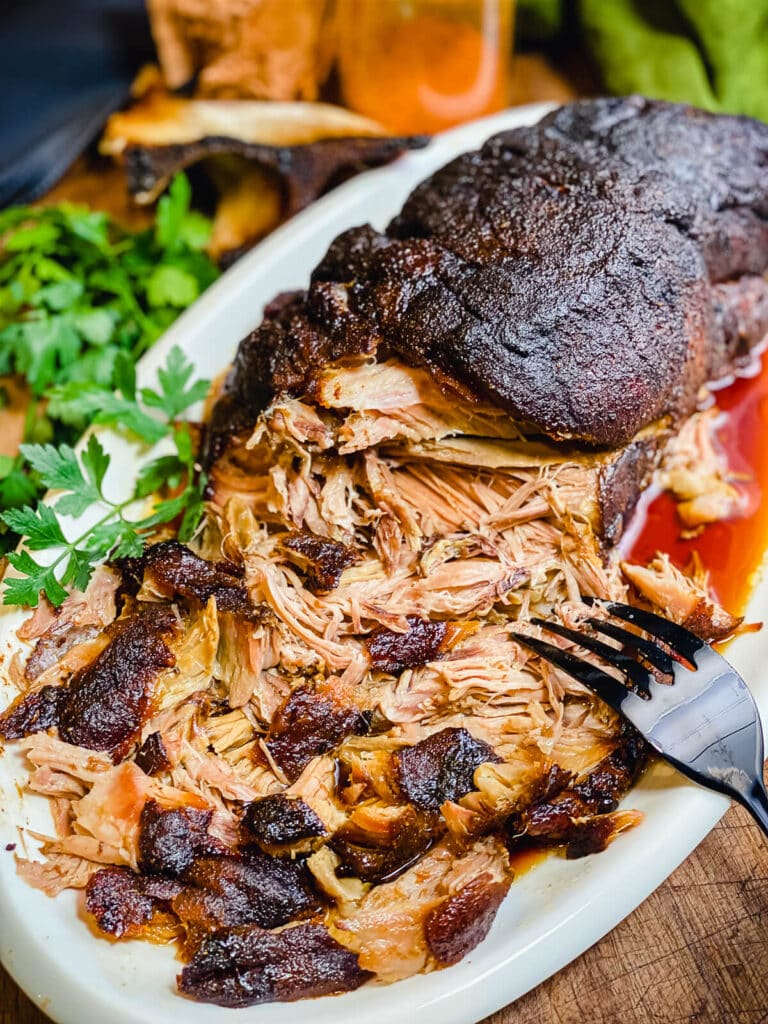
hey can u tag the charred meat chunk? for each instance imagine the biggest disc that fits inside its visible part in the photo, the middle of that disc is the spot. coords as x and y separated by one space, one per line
277 357
322 560
246 966
612 777
441 767
594 834
307 724
280 820
463 920
107 701
382 861
393 652
225 892
171 838
152 757
105 704
124 904
580 816
32 712
171 570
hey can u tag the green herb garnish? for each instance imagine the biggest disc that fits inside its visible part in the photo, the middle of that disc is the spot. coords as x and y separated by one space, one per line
148 416
81 298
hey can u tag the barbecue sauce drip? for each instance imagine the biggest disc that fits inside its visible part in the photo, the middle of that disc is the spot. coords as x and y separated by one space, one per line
732 551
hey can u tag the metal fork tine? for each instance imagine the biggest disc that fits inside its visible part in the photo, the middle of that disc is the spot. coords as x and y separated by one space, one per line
670 633
614 693
706 724
635 672
658 658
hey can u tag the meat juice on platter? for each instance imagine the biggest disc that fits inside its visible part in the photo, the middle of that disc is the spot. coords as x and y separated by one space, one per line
335 754
732 550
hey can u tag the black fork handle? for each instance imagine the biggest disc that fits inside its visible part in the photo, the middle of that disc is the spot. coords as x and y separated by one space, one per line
756 802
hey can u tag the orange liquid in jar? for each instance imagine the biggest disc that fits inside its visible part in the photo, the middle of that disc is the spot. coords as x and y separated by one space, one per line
733 550
424 65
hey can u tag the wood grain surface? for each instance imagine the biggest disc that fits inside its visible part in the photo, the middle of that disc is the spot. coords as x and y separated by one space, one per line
696 950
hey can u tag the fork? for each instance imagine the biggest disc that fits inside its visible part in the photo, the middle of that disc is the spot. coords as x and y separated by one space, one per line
705 722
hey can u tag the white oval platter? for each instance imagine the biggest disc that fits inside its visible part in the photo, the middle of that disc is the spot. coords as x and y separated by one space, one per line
552 914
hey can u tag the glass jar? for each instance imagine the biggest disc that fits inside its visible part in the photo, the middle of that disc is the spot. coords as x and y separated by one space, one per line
424 65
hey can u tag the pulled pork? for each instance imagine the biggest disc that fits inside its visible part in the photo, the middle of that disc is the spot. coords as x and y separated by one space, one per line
305 749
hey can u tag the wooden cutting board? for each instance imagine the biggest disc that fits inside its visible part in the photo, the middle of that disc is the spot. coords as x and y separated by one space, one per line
695 951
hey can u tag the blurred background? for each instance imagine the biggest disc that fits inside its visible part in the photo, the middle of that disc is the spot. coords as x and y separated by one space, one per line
199 81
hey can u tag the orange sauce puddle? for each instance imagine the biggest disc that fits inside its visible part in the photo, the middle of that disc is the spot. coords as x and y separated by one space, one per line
732 551
521 861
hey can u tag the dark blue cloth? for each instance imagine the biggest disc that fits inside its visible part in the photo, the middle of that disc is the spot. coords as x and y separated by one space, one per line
64 66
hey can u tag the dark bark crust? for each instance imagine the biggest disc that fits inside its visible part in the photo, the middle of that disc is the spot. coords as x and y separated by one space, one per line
572 273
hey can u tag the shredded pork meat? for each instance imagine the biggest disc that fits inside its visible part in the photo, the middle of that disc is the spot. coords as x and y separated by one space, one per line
320 716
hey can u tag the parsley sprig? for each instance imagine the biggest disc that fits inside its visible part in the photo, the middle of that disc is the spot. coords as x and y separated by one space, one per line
149 416
80 298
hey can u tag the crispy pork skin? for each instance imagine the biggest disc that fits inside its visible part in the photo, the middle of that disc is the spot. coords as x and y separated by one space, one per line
307 724
564 272
382 857
583 816
171 838
392 652
322 560
226 892
152 757
34 712
463 920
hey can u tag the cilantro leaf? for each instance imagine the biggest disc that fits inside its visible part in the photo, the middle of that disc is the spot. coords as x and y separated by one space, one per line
60 295
129 545
95 462
125 376
168 470
172 208
164 512
193 511
18 488
79 569
42 235
96 325
59 264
